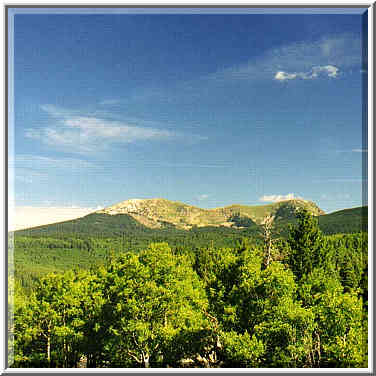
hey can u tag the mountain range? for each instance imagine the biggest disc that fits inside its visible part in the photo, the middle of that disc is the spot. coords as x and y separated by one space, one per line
159 214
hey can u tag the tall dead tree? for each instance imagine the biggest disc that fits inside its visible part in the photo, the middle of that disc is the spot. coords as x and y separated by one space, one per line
267 236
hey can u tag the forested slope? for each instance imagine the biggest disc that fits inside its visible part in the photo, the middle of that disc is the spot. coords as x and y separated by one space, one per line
300 301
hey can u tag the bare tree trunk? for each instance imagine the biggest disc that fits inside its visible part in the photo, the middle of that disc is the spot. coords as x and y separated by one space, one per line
49 349
65 353
146 359
269 252
318 348
267 227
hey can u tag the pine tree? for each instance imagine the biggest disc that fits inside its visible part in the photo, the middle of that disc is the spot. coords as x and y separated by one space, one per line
306 243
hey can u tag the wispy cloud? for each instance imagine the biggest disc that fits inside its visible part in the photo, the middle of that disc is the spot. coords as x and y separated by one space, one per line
42 162
345 179
315 72
277 198
325 57
27 175
109 102
27 168
337 197
202 197
358 150
88 134
156 163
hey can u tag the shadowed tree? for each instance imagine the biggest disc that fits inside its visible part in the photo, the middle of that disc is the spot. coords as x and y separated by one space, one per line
306 243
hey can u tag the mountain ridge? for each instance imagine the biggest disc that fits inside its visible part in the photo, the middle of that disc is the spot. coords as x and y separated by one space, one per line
156 212
99 223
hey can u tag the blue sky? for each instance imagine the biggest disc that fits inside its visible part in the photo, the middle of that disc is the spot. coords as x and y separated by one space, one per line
207 109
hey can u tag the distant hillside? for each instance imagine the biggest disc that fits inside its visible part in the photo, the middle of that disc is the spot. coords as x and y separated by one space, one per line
95 224
155 216
345 221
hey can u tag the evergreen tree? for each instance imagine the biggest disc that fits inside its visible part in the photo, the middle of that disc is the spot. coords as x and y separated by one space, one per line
305 241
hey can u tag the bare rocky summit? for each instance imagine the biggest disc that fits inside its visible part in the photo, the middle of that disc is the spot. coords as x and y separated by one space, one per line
157 212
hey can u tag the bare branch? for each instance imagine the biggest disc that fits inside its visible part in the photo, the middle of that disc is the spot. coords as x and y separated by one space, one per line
134 357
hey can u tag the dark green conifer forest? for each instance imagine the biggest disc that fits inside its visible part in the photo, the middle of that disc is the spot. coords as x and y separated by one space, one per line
208 297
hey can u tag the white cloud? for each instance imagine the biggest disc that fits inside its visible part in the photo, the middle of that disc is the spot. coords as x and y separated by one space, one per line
329 70
305 60
88 134
202 197
277 198
59 112
92 128
282 76
21 217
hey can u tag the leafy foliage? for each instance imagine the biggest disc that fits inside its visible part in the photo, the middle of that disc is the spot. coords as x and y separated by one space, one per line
203 300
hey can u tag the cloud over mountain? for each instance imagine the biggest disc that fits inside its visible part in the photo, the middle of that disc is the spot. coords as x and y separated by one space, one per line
277 198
